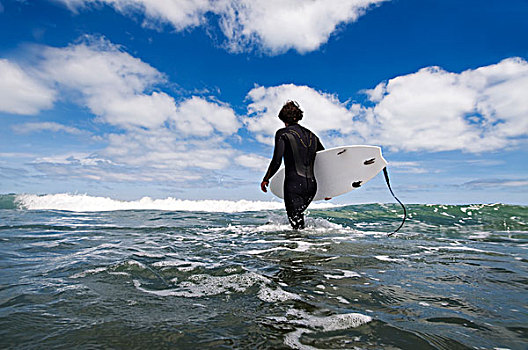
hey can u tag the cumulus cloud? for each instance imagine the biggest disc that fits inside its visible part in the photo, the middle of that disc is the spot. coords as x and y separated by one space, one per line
323 112
278 25
144 156
162 149
20 93
175 140
274 26
156 137
197 116
109 81
433 110
253 161
181 14
45 126
120 90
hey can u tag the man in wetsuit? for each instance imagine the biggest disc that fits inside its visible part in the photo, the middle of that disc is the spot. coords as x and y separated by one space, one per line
298 146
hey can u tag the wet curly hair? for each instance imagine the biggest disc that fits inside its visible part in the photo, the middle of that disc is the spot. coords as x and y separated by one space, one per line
290 113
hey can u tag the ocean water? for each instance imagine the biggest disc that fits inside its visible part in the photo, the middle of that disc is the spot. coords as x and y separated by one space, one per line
94 273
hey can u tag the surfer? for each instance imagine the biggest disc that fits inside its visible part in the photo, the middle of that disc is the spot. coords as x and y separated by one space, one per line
298 146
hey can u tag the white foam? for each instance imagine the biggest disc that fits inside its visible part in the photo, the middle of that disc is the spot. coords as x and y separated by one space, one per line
301 246
311 324
477 207
149 254
480 235
329 323
459 248
84 202
119 273
103 269
88 272
346 274
342 300
251 229
135 263
387 258
274 295
320 224
205 285
181 265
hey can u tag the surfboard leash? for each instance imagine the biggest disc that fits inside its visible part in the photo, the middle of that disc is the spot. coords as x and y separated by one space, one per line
386 173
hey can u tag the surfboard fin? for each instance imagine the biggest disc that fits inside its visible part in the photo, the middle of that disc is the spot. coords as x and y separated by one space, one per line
386 173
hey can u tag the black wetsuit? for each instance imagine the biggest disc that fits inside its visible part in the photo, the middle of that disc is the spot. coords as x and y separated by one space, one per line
298 146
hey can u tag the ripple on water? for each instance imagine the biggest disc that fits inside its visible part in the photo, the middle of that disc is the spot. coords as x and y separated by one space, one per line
246 280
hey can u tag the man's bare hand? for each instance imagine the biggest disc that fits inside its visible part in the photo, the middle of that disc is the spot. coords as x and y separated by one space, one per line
263 186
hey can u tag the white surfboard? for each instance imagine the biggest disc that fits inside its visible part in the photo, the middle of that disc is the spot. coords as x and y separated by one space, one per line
339 170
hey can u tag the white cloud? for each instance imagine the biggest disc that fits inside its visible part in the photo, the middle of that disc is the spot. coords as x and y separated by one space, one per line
496 183
273 25
162 149
181 14
146 110
71 157
20 93
434 110
323 112
116 87
97 62
197 116
159 139
253 161
45 126
407 167
110 82
163 139
278 25
147 156
431 110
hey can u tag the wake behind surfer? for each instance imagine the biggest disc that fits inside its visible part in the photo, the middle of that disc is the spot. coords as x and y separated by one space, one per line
298 146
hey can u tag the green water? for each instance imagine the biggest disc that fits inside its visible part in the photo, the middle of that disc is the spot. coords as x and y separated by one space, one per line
455 277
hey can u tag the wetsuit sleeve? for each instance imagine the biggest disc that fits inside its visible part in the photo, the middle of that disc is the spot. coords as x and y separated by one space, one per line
320 146
278 152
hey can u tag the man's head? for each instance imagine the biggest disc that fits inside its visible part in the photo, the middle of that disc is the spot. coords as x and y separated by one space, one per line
290 113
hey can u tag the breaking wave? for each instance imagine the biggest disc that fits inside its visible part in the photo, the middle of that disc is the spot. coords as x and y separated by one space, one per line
86 203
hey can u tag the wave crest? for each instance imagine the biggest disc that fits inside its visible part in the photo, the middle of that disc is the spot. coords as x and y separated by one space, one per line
83 202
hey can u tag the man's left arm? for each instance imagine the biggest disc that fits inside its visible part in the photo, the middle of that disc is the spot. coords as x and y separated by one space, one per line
320 146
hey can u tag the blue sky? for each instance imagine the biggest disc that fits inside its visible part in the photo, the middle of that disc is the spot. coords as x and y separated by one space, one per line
179 98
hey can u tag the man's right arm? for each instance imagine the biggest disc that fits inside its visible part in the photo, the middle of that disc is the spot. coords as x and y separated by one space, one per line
278 153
